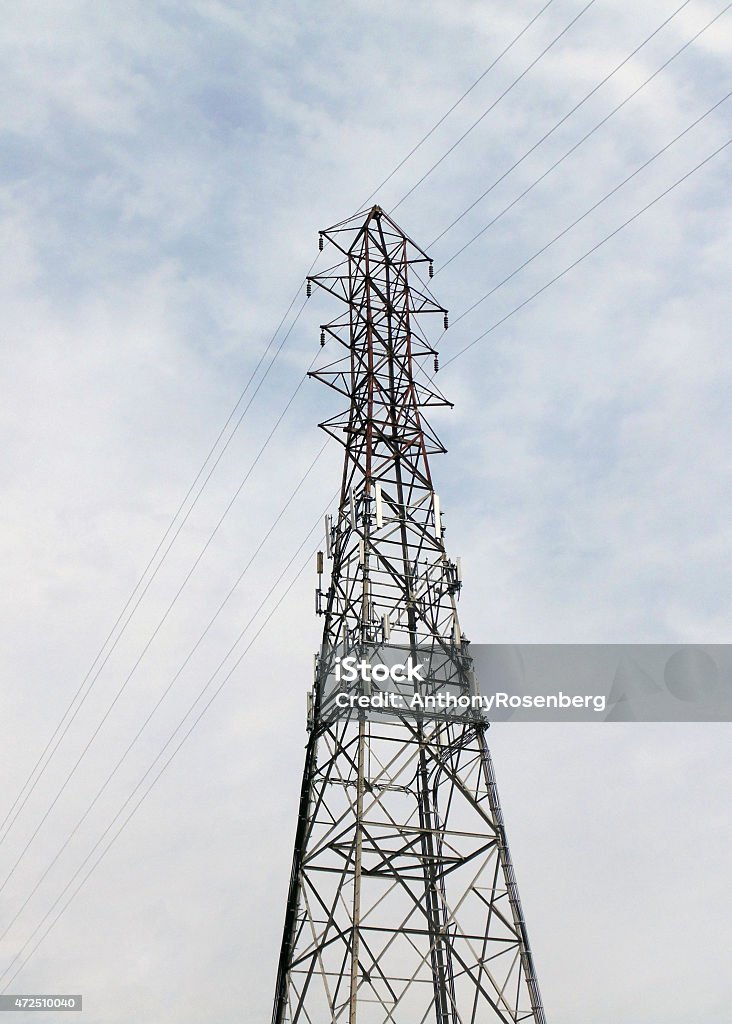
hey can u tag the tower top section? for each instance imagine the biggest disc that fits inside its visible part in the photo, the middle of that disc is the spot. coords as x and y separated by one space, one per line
390 570
383 352
376 219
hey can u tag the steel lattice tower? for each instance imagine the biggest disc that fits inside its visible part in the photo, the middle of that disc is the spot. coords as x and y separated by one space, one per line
403 906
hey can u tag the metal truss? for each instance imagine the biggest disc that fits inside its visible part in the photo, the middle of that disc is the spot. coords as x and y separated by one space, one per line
403 906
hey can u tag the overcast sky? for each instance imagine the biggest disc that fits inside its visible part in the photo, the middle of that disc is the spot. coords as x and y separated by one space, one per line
165 169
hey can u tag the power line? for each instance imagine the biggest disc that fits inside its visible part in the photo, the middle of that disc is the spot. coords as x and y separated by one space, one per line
559 123
193 725
155 632
493 105
594 207
589 252
23 796
576 146
169 687
457 103
587 212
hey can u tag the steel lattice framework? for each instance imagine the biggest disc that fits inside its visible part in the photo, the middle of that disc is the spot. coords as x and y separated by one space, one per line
403 906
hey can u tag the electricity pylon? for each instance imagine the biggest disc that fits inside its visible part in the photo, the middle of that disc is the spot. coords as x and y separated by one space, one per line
402 906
